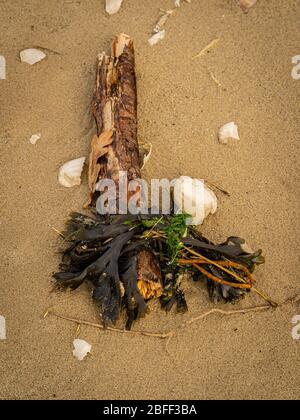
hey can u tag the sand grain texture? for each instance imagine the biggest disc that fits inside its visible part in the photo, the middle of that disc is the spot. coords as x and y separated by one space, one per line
180 111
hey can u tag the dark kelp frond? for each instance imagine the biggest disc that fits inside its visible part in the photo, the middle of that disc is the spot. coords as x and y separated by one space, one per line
133 301
146 256
173 295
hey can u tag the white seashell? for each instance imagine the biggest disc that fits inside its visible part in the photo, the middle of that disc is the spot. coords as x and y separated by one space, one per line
228 131
157 37
70 173
194 198
113 6
81 349
2 328
246 4
35 138
32 56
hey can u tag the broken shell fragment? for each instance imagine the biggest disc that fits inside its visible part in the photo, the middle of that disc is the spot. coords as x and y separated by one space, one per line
81 349
35 138
191 196
32 56
113 6
177 2
145 153
70 173
228 131
163 20
2 328
246 4
154 39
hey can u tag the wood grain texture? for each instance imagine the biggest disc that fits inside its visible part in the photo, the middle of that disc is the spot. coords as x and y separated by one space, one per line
115 111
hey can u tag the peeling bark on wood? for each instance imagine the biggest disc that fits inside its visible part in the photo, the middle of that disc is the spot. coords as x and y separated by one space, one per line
149 275
115 148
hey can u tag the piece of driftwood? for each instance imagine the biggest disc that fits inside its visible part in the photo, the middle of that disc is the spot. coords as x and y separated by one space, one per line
149 275
115 147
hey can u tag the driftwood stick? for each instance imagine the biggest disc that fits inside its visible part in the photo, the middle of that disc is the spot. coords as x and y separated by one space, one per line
115 147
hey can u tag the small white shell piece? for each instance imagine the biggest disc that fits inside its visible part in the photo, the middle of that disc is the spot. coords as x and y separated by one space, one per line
35 138
70 173
2 68
154 39
246 4
2 328
32 56
81 349
194 198
228 131
113 6
145 153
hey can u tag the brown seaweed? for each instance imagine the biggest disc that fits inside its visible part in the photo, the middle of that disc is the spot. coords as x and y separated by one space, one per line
109 253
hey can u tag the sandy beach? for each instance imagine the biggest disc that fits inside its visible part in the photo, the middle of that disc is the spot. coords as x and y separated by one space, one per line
181 108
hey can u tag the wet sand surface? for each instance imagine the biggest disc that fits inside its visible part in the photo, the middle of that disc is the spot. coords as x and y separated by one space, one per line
180 110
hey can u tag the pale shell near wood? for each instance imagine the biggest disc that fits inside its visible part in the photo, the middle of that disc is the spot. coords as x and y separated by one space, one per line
70 173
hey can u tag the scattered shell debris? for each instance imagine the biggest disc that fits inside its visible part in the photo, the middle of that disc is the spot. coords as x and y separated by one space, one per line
70 173
32 56
158 32
35 138
163 20
246 4
228 131
193 197
113 6
81 349
2 328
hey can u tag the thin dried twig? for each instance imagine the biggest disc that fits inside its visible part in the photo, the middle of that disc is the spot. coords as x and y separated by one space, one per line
213 77
210 184
168 335
211 45
39 47
171 334
292 300
101 327
58 232
226 313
